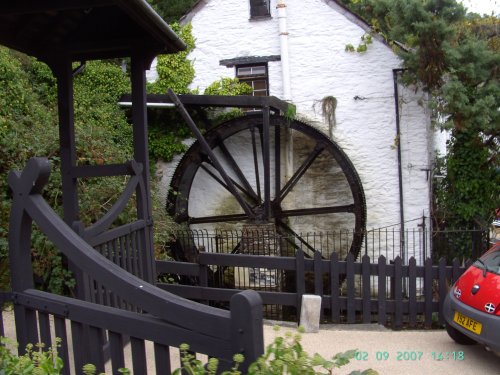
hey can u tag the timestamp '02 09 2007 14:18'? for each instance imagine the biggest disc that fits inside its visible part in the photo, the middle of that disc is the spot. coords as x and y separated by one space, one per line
409 355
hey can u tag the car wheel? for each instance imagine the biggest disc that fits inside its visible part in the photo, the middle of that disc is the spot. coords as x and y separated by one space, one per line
458 336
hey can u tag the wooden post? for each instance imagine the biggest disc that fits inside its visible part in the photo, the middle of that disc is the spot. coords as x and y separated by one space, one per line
139 65
247 332
334 288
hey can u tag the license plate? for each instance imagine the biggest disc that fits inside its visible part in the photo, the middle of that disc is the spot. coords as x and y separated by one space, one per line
468 323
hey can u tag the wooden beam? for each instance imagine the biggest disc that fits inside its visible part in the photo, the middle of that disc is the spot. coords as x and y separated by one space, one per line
37 6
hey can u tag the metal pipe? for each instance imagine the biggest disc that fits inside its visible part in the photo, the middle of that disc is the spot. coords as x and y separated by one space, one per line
285 66
400 169
285 74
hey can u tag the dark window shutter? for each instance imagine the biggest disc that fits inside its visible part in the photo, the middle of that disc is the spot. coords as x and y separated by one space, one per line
259 8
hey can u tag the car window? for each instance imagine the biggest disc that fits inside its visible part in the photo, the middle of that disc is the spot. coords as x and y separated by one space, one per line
490 260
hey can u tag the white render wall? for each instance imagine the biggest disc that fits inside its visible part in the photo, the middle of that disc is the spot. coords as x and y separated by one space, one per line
319 67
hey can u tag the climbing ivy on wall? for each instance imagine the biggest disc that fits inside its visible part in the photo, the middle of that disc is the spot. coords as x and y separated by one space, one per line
167 129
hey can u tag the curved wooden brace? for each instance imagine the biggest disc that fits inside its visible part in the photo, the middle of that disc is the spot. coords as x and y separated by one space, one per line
32 207
103 223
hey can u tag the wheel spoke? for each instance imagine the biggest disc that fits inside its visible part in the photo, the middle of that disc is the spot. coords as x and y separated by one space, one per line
267 162
299 173
248 188
208 150
290 232
277 160
256 162
217 219
241 188
318 210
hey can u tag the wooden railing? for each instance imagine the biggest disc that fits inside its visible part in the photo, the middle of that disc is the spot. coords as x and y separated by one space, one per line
158 316
352 292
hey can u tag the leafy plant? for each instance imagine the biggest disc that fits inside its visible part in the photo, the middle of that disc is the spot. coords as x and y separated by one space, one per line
36 361
366 39
285 355
175 71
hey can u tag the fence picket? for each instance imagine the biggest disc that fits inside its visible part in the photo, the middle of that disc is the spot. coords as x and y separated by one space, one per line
398 293
96 354
366 295
318 274
455 269
62 351
162 359
116 345
44 324
412 289
138 356
334 288
428 281
382 290
80 349
351 312
442 288
299 278
318 280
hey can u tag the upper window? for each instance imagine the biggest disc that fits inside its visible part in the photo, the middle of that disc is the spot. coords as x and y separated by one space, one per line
260 8
255 76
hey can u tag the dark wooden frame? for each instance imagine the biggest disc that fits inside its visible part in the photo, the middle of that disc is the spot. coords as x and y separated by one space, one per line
60 32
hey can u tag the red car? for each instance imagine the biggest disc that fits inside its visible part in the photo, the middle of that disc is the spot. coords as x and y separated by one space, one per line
472 307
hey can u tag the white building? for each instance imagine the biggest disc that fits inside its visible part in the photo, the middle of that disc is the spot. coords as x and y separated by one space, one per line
296 50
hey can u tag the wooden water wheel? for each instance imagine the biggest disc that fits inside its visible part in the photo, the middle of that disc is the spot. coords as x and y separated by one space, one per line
284 172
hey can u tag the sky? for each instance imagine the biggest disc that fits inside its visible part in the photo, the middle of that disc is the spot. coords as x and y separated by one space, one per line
483 6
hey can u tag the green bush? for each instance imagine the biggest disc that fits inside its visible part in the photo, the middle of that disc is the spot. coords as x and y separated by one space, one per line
29 127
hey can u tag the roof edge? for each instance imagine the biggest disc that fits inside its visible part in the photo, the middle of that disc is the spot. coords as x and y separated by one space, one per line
188 16
361 22
142 11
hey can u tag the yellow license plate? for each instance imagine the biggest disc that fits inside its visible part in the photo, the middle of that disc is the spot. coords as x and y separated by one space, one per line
467 323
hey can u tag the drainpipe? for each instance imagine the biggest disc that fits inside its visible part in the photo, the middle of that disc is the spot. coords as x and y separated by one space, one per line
285 67
400 170
285 74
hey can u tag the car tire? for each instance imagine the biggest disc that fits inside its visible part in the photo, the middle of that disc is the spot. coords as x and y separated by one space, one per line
458 336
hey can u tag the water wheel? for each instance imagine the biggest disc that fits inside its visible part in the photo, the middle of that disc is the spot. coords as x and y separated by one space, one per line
288 174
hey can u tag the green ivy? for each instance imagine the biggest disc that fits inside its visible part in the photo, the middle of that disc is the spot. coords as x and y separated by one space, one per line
175 71
28 128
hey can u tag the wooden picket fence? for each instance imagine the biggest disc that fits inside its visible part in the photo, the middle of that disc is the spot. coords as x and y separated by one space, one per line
393 294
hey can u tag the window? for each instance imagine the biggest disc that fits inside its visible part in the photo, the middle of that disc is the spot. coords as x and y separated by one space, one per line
259 8
255 76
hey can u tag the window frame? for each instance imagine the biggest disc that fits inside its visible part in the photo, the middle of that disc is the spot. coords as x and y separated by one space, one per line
265 76
259 11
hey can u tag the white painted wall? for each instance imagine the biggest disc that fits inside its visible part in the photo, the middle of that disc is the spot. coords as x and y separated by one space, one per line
319 30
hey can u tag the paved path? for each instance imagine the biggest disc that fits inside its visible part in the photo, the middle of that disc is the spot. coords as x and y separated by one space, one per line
407 352
388 352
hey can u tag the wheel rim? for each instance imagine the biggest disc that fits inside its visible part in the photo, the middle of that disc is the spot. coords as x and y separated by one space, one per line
320 189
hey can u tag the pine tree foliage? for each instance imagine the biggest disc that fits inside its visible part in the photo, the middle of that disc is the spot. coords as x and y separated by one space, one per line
455 56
